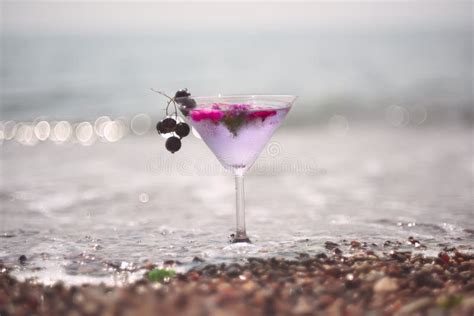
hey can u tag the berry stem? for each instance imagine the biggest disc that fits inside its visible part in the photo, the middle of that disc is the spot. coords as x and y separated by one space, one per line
162 93
169 102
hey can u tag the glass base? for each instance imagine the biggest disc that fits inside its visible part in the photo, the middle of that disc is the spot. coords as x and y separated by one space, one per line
235 239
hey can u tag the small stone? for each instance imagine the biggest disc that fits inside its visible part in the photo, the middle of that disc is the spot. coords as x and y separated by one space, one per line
330 245
468 304
449 301
210 270
350 282
355 244
325 300
193 276
148 266
233 272
335 309
302 256
337 251
223 287
400 256
181 301
332 270
414 306
426 278
321 256
22 259
169 263
181 277
385 285
90 307
463 256
249 286
302 307
198 260
7 235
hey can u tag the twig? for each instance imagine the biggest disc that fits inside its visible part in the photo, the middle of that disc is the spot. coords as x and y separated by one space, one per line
169 102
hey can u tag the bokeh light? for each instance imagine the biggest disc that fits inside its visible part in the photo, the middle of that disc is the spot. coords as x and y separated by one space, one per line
42 130
2 130
140 124
99 125
25 135
397 116
9 130
85 133
338 124
61 132
113 131
418 114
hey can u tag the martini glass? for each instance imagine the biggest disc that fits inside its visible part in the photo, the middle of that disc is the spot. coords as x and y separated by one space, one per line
236 129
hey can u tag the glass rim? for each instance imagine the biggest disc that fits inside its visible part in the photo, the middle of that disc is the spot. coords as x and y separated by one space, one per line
242 96
274 101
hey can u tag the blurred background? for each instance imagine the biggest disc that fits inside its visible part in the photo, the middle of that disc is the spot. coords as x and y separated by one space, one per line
378 145
80 60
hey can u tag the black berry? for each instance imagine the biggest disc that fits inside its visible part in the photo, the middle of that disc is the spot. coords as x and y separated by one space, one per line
187 103
168 125
182 130
159 127
182 97
173 144
182 93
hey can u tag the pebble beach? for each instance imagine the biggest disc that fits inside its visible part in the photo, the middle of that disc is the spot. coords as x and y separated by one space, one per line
327 283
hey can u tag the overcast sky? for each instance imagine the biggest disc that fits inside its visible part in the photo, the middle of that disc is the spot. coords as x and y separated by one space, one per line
151 16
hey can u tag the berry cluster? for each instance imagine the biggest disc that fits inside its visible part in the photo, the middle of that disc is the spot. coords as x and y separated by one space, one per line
170 125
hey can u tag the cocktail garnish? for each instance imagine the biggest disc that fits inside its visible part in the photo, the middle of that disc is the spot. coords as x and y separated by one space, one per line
233 121
173 144
182 129
169 124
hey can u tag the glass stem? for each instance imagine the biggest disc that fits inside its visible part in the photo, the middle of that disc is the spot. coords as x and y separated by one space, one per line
241 234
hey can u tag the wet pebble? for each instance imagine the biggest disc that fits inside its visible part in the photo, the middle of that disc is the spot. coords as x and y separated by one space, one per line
415 306
426 278
355 244
7 235
337 251
197 260
385 285
329 245
302 307
233 270
22 259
